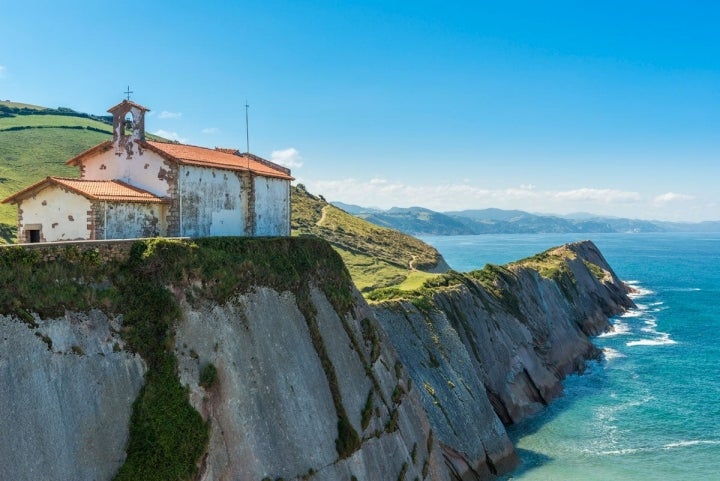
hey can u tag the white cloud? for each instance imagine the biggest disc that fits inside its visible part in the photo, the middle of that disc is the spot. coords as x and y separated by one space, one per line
210 130
171 136
289 158
169 115
606 196
450 196
671 197
2 71
386 193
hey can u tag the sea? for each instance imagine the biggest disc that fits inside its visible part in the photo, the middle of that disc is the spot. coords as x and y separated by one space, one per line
650 409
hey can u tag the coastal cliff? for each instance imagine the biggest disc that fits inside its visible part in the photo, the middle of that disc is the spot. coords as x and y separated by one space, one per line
493 346
254 359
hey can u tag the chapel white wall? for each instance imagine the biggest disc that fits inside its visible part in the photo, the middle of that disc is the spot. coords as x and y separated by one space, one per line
62 214
272 206
147 171
132 220
213 202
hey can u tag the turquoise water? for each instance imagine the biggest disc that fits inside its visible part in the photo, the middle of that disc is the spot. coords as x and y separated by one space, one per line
651 409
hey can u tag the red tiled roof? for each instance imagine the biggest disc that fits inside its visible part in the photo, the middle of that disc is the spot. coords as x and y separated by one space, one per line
98 148
222 159
107 190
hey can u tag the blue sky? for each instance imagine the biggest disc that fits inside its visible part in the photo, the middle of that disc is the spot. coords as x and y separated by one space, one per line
606 107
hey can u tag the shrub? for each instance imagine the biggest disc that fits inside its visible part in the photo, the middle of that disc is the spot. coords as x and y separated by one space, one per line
208 376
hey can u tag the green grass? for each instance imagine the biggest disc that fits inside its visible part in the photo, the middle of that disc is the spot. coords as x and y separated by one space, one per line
33 147
167 436
28 156
52 121
18 105
376 257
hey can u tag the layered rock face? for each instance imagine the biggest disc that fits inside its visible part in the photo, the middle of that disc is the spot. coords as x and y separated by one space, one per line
274 411
309 381
66 392
493 346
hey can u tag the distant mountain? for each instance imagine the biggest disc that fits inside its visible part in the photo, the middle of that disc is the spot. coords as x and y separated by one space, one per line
418 220
421 221
355 209
489 214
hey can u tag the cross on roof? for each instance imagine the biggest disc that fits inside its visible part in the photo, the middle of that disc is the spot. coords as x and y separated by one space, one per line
128 92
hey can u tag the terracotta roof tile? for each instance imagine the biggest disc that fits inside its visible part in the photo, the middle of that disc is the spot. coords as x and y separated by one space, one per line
107 190
221 158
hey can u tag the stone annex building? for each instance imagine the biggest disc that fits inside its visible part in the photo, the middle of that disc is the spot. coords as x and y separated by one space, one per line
131 187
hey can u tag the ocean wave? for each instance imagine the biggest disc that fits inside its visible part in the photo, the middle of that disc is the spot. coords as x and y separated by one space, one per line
662 340
618 328
637 290
650 325
611 354
632 313
640 292
696 442
650 449
684 289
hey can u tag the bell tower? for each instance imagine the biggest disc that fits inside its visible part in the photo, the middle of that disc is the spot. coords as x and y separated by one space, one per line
128 126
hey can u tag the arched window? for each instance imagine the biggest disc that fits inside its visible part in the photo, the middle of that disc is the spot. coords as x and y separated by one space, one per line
129 122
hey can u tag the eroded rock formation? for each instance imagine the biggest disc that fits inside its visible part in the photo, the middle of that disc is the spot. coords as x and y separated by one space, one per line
309 381
503 337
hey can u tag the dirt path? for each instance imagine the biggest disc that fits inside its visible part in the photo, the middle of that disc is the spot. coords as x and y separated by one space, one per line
411 264
322 217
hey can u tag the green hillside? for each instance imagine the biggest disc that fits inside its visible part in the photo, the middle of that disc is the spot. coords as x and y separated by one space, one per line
35 142
376 256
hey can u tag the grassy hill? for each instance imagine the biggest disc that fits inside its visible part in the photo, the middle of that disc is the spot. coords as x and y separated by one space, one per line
376 256
35 142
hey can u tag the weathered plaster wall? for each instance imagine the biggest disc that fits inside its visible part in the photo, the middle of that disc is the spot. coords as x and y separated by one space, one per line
213 202
272 207
131 220
65 398
62 214
144 169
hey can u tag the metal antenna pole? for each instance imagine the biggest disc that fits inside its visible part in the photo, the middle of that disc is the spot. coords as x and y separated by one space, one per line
247 128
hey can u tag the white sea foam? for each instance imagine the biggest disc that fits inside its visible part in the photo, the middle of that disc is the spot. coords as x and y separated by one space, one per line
650 325
663 339
695 442
611 354
632 313
618 328
649 449
637 290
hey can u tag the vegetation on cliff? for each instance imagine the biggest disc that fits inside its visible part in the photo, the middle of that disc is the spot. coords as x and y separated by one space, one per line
375 256
552 264
167 436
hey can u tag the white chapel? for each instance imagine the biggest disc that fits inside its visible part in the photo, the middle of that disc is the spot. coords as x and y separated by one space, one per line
131 187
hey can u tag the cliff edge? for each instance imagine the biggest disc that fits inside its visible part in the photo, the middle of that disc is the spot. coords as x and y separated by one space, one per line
257 359
493 345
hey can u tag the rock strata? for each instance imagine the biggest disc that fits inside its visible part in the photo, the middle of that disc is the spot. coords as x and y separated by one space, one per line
301 386
66 394
493 347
